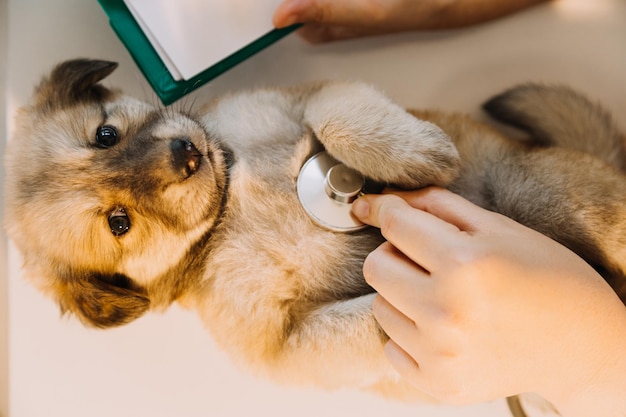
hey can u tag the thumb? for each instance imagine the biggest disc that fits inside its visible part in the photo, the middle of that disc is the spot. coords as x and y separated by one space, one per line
291 12
326 12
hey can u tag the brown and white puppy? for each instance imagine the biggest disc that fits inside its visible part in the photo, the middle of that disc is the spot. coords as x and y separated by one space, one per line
120 207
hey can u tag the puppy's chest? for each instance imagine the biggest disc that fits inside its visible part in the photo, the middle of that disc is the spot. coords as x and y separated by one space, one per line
268 237
262 195
265 231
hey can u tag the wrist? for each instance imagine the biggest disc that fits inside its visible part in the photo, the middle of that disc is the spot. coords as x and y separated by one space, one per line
598 381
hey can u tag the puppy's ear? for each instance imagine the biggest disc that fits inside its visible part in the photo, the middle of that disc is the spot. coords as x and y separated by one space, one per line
74 81
102 301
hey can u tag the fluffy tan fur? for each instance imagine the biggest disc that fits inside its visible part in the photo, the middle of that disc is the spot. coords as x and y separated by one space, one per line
119 207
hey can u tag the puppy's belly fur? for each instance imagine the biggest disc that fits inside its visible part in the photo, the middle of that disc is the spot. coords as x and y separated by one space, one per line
286 295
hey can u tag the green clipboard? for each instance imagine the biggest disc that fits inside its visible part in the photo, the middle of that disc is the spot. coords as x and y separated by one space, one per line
147 59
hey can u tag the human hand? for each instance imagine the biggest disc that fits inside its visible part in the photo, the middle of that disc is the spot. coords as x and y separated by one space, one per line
479 307
328 20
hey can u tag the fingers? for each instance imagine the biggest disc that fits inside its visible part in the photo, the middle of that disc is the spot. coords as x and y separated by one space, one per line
422 237
437 201
406 366
351 13
399 327
449 207
329 20
320 33
304 11
401 349
402 282
285 15
321 19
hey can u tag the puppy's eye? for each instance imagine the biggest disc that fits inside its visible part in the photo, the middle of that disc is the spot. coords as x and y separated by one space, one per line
119 222
106 136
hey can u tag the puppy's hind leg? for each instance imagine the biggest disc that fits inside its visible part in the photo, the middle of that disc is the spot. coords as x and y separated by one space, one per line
560 116
585 210
337 345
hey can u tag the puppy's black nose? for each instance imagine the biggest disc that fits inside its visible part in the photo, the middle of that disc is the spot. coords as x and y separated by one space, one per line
185 156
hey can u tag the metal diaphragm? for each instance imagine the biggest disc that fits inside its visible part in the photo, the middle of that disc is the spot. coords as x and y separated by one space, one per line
326 189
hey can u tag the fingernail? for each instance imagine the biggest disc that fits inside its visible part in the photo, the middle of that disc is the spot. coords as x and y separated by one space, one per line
361 208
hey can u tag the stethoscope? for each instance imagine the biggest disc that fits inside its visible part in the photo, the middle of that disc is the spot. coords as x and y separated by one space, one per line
327 188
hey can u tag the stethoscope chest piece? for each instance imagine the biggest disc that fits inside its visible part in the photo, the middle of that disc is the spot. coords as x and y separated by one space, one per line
326 189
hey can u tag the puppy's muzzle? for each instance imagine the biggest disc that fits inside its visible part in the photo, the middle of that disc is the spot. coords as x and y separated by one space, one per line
185 156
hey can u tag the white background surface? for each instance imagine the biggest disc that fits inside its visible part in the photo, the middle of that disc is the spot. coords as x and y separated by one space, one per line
164 365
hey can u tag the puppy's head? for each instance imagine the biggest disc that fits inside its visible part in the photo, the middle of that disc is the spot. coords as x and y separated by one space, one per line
109 198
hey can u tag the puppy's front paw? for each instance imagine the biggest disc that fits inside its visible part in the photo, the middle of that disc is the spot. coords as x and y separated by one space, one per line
368 132
413 154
